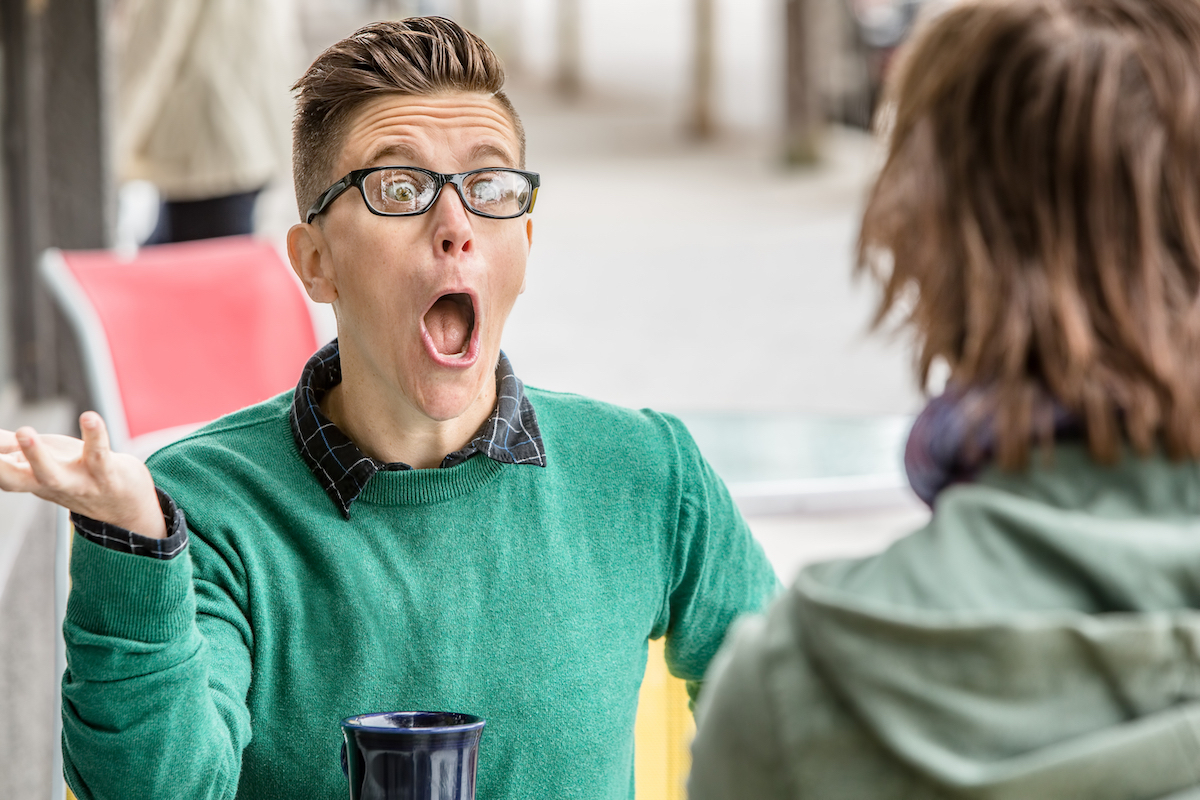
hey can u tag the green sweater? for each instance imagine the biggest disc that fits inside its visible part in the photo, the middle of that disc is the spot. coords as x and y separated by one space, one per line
1038 640
525 595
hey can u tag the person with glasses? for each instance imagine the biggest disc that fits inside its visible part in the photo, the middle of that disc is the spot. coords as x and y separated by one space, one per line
412 528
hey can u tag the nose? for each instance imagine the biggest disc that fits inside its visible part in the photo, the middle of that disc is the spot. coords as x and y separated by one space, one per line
452 222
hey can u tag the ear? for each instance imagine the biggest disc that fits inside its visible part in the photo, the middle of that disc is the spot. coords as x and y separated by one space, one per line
311 261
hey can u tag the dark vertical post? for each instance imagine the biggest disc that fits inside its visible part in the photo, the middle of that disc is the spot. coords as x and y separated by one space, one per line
703 116
82 197
802 115
57 189
82 194
25 200
6 348
569 80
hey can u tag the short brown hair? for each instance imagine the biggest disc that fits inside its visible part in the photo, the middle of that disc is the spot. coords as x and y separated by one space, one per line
1037 220
418 56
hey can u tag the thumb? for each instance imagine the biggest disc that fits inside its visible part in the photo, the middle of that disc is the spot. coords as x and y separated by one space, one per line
96 450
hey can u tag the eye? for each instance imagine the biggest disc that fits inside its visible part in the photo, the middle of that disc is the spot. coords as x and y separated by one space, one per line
487 192
401 191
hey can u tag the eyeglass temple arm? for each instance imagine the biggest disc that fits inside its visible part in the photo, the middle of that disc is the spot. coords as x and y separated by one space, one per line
327 197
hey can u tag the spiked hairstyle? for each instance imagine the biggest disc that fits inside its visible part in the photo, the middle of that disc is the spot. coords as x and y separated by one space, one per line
417 56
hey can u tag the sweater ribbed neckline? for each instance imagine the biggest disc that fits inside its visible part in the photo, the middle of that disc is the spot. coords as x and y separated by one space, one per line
422 486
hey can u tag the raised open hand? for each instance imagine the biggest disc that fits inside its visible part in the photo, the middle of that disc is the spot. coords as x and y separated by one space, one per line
84 476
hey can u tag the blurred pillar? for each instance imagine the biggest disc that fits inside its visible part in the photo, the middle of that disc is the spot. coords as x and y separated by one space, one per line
802 110
57 188
508 37
468 14
703 116
569 80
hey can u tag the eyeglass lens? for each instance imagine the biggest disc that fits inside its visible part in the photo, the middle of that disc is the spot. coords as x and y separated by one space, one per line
403 191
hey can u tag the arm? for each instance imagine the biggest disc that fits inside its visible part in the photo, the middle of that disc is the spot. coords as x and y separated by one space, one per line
158 661
154 698
719 570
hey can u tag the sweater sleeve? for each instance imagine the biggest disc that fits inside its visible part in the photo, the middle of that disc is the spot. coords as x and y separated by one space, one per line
158 667
718 571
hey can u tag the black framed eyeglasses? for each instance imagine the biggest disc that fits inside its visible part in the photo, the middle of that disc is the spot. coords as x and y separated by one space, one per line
497 193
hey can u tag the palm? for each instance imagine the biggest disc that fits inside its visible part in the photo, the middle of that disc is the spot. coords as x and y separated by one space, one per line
82 475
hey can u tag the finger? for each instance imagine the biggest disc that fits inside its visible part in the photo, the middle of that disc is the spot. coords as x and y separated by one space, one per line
8 442
14 473
96 449
44 467
13 458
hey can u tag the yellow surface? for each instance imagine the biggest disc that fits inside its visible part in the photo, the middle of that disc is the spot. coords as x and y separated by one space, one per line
663 732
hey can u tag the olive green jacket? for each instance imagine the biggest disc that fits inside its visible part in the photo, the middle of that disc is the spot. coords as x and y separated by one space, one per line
1039 638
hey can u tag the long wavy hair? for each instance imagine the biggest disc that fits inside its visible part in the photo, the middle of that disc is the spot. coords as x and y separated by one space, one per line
1037 220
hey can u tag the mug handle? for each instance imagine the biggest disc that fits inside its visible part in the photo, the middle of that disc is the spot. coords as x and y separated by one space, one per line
345 763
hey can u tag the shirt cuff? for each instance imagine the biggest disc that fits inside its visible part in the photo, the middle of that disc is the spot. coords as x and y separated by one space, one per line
117 538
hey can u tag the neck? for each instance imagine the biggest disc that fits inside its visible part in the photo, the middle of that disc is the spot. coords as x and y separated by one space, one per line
391 431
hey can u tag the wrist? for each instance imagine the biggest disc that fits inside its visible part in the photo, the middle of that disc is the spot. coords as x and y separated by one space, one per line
147 519
152 526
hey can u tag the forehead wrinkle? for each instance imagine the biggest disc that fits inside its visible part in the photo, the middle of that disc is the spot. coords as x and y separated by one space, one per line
480 109
497 124
393 117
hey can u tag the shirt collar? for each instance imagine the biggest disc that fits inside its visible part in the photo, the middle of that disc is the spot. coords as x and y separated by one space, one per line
510 435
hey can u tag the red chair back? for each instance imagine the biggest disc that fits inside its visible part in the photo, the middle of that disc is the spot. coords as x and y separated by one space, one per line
192 330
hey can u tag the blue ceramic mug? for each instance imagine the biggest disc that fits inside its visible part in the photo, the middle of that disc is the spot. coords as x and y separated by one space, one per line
411 755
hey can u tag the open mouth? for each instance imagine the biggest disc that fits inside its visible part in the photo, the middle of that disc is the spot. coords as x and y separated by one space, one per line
450 323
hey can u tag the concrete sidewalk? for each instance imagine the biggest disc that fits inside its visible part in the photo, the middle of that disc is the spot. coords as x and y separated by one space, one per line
697 277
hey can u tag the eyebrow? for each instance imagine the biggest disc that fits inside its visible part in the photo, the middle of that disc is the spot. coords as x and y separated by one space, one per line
401 154
487 152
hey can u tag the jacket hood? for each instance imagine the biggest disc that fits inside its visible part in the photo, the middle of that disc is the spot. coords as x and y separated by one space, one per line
1038 638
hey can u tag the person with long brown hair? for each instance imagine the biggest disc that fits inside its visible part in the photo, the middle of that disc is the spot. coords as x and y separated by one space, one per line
1036 227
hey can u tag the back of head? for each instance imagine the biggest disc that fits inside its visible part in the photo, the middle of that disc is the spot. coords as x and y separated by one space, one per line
1037 220
419 56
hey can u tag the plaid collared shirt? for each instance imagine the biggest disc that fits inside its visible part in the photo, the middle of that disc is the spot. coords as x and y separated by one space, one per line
510 435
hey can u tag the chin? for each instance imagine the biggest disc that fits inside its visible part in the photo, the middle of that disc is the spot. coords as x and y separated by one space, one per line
444 395
450 406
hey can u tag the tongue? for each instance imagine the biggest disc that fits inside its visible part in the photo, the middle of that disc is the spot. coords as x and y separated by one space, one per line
449 324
